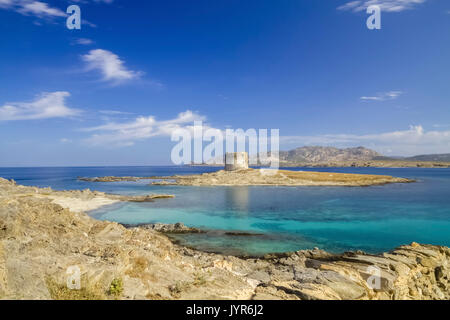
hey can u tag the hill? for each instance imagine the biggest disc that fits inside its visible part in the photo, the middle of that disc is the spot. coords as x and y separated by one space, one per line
430 157
315 154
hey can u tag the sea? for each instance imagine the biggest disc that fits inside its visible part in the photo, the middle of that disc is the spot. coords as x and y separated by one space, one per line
257 220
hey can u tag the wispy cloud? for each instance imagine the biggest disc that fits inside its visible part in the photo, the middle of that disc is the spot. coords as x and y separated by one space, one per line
65 140
98 1
415 140
42 10
385 5
114 112
34 8
82 41
46 105
110 66
141 128
383 96
39 9
440 125
5 3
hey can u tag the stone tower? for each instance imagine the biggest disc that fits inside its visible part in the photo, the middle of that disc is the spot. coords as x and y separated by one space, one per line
236 161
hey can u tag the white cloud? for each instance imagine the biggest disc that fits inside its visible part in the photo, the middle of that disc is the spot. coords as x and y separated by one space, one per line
385 5
6 3
86 1
47 105
383 96
34 8
141 128
39 9
83 41
65 140
439 125
350 5
114 112
410 142
110 66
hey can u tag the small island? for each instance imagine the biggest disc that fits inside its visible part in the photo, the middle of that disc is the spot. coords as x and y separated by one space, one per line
238 173
267 177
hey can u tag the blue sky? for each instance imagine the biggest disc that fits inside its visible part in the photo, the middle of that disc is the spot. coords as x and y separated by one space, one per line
110 93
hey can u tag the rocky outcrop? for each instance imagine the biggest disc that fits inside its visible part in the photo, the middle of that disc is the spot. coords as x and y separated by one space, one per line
78 200
42 243
409 272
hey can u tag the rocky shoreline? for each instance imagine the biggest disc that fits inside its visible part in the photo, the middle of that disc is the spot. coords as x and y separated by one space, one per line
83 200
175 228
265 177
40 240
114 179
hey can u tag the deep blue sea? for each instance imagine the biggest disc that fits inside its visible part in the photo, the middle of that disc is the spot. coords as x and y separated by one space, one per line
336 219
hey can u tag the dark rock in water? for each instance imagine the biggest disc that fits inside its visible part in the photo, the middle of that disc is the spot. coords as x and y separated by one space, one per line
242 234
167 227
118 179
144 198
163 183
109 179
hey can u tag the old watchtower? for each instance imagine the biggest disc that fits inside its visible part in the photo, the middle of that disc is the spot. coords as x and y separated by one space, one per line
236 161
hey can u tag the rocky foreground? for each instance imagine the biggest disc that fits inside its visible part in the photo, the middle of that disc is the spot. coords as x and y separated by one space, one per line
265 177
40 240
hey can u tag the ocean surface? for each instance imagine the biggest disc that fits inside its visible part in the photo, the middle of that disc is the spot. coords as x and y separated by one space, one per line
276 219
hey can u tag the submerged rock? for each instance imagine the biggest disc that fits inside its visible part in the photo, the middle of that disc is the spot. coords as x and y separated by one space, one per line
166 227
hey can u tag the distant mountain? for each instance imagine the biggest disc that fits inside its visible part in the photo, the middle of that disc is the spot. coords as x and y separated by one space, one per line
430 157
326 154
359 156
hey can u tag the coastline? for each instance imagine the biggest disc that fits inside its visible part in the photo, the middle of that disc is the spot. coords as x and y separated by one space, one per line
80 205
370 164
388 163
83 200
40 240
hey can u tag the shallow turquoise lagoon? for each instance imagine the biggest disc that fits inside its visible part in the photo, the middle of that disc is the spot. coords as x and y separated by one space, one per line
337 219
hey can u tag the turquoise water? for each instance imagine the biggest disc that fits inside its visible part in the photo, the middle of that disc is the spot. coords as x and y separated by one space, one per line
337 219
